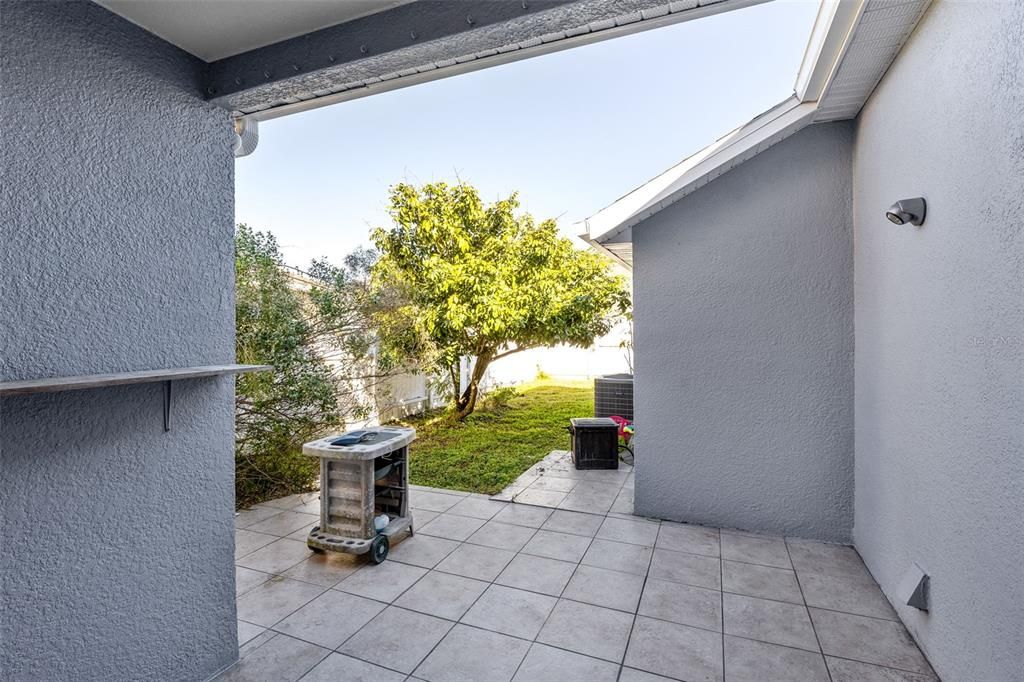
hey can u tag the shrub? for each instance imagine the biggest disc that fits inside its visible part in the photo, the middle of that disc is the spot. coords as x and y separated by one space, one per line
499 397
305 397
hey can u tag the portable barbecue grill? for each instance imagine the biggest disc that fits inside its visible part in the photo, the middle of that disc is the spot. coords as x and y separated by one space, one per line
363 475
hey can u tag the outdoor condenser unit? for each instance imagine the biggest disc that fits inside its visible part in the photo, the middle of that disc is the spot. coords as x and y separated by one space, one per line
613 396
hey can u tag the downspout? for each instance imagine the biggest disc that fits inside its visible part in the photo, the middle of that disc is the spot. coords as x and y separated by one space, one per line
247 135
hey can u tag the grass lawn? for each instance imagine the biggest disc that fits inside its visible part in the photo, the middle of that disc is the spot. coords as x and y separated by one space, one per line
490 449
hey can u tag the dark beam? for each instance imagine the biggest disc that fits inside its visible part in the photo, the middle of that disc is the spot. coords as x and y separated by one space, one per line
424 40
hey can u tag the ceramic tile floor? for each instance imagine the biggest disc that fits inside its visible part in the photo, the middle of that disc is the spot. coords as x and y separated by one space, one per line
492 590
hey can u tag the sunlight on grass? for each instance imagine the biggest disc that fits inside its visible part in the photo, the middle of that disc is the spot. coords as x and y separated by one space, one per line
490 449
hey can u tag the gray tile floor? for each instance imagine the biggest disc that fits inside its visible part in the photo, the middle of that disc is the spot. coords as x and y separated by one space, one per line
555 482
492 590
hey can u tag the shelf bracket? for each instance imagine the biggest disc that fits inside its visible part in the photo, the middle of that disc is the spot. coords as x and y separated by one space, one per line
167 406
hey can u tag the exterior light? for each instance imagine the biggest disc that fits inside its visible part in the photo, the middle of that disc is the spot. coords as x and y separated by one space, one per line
907 211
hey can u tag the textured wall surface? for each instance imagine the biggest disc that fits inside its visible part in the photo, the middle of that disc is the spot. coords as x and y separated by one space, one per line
116 233
744 345
940 335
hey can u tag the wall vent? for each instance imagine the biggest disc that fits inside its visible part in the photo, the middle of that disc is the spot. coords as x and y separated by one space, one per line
913 589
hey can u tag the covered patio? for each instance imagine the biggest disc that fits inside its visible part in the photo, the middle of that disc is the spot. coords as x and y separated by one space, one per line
495 590
846 376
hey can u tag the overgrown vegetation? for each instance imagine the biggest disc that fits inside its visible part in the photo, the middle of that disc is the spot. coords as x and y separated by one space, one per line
489 449
317 337
454 279
483 281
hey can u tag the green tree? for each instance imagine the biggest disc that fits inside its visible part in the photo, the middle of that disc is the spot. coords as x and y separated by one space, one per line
470 279
315 336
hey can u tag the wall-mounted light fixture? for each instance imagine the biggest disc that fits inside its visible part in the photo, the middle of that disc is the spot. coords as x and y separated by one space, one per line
907 211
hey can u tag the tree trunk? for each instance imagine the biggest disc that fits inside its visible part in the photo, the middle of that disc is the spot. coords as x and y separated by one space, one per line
466 403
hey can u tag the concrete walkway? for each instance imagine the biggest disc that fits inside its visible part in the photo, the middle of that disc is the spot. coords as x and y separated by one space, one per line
493 590
555 482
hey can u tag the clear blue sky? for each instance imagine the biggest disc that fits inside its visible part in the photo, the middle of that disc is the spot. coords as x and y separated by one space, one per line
571 131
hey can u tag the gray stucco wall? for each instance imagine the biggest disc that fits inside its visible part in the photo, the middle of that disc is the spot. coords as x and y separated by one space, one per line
116 231
940 335
744 345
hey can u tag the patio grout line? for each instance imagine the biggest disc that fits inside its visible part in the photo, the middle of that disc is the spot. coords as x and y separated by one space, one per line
610 608
814 628
534 535
553 646
639 601
635 614
290 613
271 628
793 603
325 590
935 677
561 648
281 575
850 613
475 601
754 563
721 597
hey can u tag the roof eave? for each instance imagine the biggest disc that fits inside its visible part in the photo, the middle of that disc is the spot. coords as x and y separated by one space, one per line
427 40
816 98
769 128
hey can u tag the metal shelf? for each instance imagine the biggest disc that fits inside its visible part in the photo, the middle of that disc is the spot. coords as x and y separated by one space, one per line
75 383
85 381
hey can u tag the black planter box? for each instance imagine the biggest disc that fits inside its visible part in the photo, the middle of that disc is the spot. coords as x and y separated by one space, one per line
595 443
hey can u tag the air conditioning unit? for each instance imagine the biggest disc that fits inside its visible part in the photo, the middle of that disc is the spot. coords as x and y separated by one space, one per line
613 396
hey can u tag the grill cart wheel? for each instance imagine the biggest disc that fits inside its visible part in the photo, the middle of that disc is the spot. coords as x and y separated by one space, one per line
379 549
316 550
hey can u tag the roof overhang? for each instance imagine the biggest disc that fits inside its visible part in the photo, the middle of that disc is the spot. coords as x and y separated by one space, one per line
318 53
216 29
426 40
611 228
852 44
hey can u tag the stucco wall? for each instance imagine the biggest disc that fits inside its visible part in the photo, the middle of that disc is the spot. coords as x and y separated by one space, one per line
744 345
940 335
116 233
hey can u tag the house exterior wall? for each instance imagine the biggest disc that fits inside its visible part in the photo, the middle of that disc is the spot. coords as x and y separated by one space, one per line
744 345
116 543
940 335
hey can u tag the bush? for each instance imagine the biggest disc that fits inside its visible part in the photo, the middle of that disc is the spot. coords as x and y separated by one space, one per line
499 397
305 397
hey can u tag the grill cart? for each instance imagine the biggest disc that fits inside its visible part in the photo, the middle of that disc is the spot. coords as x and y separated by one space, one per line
363 476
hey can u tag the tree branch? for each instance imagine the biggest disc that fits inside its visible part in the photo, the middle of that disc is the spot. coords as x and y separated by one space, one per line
517 349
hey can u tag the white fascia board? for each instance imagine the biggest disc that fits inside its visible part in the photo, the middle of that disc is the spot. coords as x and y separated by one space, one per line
830 36
777 123
741 144
614 255
837 37
609 218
